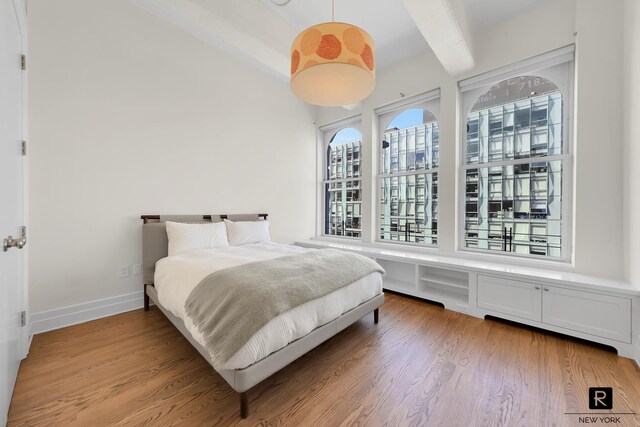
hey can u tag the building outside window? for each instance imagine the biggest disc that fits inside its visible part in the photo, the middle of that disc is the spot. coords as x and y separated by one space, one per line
514 169
515 165
343 177
408 179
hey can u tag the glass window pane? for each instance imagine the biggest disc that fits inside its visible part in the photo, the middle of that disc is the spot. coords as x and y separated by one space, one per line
343 199
411 142
408 202
408 208
343 208
515 208
517 118
435 144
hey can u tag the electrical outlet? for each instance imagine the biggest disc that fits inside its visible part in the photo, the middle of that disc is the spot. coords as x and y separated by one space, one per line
124 271
137 269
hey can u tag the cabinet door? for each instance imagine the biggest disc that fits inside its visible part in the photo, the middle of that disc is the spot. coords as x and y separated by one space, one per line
601 315
513 297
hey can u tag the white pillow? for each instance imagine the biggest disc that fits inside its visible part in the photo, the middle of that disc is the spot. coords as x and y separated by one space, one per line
186 237
243 232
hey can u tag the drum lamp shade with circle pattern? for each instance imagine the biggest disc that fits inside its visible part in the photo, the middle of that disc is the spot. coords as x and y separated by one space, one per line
333 64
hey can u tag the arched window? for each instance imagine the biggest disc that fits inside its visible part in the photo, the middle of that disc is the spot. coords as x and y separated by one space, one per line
409 177
514 157
343 192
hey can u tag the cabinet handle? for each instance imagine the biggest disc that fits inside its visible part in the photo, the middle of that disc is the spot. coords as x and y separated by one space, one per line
537 288
546 289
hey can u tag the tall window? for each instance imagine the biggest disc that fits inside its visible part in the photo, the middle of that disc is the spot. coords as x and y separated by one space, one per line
515 156
409 178
343 190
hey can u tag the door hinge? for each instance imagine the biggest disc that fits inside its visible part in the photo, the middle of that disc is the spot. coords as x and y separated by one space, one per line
23 318
24 148
23 62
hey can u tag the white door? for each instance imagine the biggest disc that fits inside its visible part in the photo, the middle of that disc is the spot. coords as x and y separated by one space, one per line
12 218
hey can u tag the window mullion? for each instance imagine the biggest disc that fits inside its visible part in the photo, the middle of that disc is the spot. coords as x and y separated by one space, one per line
521 161
330 181
409 173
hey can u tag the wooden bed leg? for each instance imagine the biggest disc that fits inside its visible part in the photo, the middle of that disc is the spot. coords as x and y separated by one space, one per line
146 299
244 405
376 315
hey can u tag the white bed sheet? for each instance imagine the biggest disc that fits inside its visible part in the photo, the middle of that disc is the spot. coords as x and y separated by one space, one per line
176 276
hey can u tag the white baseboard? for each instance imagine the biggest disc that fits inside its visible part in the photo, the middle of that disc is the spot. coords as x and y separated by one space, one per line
79 313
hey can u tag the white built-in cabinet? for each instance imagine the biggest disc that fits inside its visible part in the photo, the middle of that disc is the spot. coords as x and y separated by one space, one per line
512 297
595 314
594 309
589 312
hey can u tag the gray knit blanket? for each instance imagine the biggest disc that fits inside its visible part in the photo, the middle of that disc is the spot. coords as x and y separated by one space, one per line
229 306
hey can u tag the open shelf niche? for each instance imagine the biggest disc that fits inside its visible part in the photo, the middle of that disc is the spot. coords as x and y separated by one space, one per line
451 287
446 286
400 277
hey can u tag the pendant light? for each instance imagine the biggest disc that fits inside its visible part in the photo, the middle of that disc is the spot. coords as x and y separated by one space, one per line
333 64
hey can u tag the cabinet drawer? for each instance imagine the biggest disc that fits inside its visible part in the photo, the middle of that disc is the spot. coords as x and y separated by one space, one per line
601 315
513 297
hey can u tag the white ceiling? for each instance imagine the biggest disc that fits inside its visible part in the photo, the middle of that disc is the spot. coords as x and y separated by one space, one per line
484 13
260 32
391 25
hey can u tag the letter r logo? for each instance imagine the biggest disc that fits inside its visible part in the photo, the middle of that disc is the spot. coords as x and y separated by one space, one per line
600 398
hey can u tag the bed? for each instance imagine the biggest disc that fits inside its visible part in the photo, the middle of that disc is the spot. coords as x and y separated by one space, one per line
168 281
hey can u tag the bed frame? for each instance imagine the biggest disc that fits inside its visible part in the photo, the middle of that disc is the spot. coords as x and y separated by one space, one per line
154 247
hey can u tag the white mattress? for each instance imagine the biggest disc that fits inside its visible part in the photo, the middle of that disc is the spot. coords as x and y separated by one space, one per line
177 275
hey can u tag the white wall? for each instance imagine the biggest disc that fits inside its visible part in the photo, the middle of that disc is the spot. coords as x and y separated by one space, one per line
131 116
631 109
598 182
631 180
598 245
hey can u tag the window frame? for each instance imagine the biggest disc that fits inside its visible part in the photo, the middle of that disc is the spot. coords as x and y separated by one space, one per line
327 132
430 101
557 67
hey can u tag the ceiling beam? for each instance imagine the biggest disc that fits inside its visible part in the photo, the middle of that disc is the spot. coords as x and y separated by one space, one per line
223 29
444 25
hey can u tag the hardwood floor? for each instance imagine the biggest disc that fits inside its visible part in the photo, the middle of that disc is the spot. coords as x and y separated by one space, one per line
421 365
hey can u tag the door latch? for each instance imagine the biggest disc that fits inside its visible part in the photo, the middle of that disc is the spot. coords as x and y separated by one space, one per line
10 242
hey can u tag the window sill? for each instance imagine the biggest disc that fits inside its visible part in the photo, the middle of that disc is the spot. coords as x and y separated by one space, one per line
557 264
462 254
338 239
549 272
